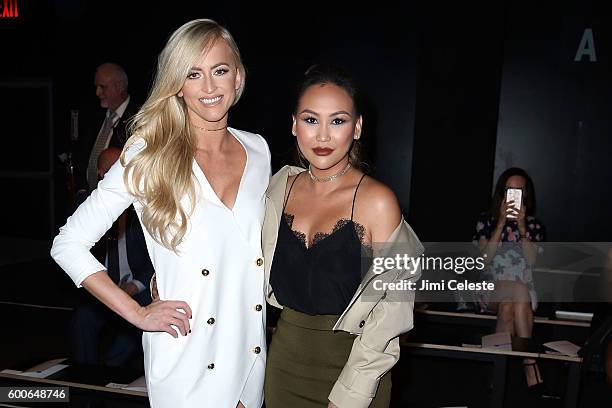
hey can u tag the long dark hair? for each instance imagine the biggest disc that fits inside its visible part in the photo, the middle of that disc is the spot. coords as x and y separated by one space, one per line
320 74
529 198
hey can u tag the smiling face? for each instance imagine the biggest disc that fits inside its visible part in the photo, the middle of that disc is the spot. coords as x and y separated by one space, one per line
325 124
210 87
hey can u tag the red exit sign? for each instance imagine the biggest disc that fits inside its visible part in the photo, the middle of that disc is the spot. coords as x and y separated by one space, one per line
9 9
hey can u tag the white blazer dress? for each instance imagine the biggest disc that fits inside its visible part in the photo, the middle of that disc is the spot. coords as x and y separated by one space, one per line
218 271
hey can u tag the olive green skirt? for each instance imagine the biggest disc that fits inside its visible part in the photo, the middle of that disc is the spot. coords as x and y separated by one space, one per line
305 359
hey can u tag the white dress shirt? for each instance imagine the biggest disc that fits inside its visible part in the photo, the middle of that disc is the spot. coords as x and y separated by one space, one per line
218 271
119 111
125 272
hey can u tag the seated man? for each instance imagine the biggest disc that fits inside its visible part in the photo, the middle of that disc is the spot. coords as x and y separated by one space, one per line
124 253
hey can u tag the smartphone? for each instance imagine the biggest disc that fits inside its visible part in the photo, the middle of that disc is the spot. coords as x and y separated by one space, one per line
515 195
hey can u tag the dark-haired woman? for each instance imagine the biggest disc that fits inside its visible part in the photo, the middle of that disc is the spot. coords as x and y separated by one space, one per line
507 239
334 346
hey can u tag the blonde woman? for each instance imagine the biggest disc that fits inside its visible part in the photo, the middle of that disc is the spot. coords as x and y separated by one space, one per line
198 188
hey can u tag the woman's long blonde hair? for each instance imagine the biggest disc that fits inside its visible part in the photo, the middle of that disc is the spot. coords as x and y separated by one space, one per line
161 174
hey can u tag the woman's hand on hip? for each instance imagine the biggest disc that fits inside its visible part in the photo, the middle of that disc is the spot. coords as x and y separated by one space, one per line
162 315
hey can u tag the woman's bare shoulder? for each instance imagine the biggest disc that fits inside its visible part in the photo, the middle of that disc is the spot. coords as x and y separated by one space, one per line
378 207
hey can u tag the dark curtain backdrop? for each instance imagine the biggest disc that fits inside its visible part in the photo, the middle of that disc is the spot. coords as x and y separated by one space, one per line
453 95
64 40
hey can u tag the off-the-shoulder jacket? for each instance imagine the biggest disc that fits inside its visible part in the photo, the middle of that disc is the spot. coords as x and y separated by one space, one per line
376 318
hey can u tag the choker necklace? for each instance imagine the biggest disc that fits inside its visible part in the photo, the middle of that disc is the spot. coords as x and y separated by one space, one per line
328 178
208 130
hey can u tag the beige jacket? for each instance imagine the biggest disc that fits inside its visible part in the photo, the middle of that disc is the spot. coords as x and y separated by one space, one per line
376 319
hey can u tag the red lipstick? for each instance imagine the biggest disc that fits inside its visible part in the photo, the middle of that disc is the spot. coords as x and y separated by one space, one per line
322 151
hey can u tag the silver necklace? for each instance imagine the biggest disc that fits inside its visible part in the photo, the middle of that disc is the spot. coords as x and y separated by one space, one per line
328 178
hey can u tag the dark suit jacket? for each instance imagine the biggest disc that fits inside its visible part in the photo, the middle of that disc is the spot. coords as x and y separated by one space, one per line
138 256
89 126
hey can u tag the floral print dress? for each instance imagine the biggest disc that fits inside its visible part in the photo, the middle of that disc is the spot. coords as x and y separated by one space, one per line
509 262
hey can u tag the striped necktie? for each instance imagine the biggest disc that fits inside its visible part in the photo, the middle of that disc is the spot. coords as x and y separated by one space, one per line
100 144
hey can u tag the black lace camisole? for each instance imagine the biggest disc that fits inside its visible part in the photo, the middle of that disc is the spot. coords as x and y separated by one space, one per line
322 278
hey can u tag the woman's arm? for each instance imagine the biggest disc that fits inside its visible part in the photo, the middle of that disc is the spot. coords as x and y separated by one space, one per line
530 250
71 250
488 245
158 316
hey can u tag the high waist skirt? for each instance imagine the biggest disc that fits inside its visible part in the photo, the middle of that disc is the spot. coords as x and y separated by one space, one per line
305 359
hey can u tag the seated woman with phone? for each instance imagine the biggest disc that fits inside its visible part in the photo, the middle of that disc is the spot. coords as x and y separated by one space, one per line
505 235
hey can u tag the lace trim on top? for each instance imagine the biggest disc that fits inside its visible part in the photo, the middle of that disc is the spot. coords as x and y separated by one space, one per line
320 236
